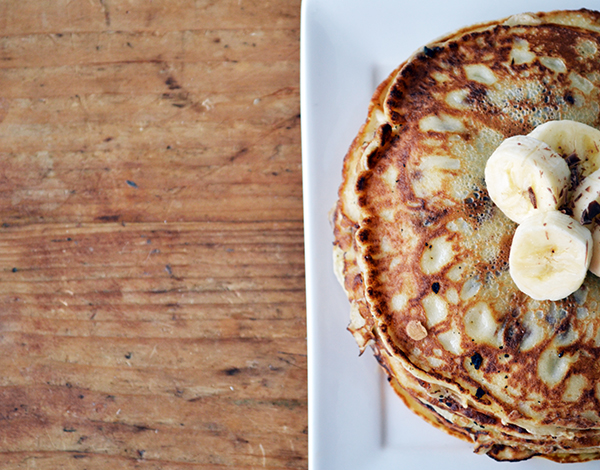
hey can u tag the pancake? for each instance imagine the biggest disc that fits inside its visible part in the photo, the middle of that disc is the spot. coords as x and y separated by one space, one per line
422 251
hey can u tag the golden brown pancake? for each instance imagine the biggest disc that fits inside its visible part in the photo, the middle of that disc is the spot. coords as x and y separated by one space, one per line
422 251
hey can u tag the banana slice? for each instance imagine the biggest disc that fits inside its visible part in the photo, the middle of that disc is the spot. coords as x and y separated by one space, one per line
524 175
550 255
586 199
595 263
578 143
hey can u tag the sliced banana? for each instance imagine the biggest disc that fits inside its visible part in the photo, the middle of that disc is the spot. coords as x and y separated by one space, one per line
550 255
595 263
524 175
578 143
586 199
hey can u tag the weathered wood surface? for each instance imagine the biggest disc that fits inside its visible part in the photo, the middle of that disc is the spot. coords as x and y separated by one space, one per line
152 310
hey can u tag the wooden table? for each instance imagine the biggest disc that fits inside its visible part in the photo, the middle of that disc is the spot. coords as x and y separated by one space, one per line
151 241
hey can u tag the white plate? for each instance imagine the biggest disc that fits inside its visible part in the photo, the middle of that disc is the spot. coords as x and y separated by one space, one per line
347 48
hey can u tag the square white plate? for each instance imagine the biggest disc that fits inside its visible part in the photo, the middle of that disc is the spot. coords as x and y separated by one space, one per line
347 48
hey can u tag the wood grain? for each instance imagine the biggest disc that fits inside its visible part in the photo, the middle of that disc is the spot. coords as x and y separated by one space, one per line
151 238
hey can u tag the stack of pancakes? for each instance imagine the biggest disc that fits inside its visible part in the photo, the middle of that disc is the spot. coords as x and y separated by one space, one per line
422 252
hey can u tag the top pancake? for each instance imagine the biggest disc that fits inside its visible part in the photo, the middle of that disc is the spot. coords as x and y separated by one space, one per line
423 251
